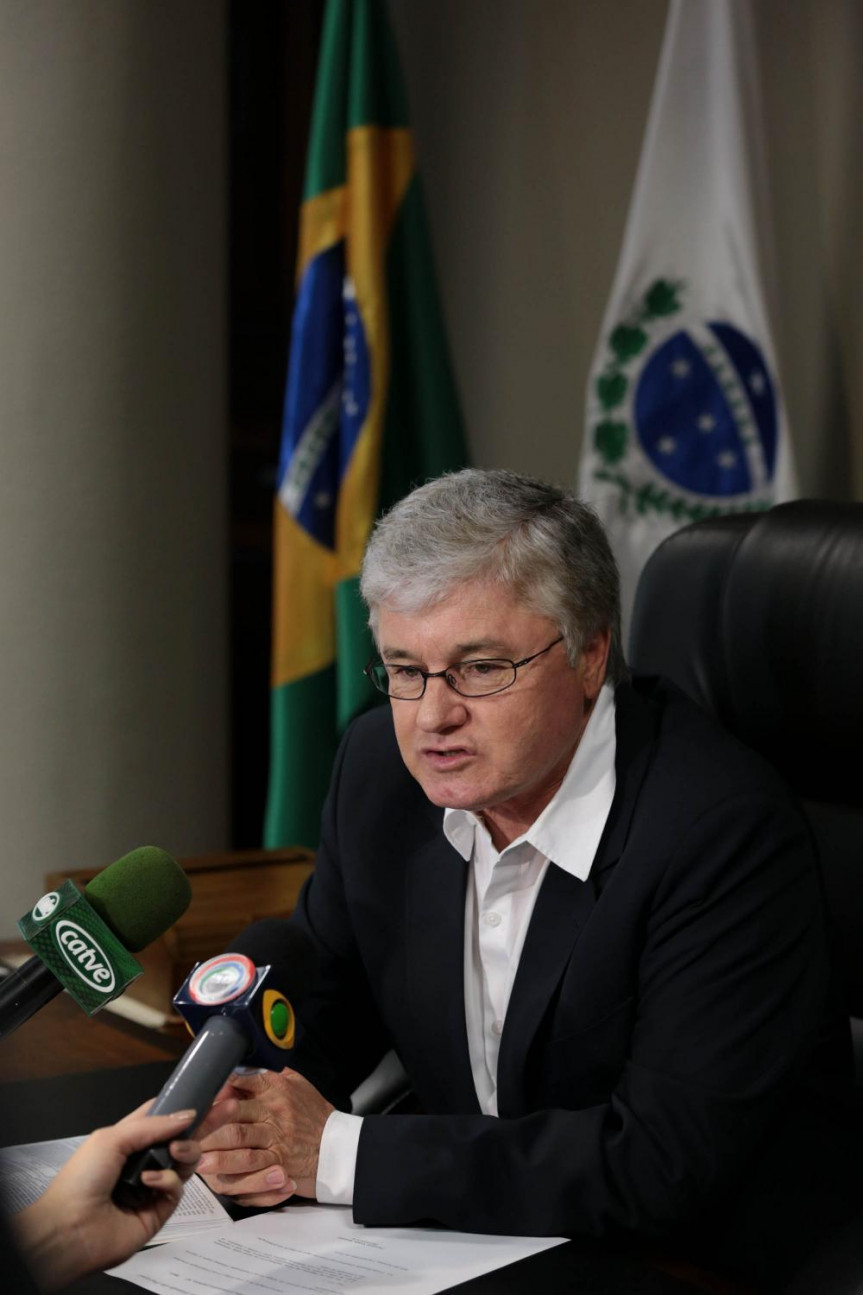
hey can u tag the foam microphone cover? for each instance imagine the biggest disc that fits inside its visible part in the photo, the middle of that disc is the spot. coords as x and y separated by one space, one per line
140 895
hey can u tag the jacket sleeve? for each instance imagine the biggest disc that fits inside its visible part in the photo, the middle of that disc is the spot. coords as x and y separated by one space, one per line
731 975
341 1037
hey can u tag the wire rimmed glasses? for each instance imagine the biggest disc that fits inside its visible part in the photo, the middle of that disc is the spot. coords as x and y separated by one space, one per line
479 678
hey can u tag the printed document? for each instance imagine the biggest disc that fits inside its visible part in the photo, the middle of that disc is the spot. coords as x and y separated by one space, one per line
319 1248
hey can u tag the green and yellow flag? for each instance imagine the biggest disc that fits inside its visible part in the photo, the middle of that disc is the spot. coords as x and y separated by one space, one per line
370 406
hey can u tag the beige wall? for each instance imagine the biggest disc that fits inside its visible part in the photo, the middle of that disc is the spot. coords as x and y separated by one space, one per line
529 115
112 434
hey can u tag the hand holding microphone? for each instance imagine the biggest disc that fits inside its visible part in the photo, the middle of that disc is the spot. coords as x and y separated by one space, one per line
267 1150
75 1228
240 1016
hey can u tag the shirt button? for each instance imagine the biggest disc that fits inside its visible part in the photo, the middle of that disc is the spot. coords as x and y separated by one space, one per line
492 919
497 1027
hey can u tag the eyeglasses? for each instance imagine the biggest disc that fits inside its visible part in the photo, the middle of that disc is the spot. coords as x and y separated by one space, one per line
468 678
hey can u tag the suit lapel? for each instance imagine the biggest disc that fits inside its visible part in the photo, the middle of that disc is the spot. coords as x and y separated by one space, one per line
564 903
561 910
435 933
636 725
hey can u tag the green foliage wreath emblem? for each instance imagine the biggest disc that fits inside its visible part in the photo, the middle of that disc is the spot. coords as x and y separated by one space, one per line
611 433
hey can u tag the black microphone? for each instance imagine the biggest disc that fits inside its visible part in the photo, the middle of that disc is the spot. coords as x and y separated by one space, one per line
240 1016
83 943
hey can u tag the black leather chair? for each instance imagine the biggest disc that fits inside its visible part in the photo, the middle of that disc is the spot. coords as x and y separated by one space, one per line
759 618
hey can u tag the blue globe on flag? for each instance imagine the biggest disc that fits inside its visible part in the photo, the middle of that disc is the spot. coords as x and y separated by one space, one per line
327 397
704 411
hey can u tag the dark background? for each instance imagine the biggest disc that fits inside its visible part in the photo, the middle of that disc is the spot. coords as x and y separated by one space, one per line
272 62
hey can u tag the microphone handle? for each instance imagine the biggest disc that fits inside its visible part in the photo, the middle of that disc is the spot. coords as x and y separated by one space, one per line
24 991
198 1076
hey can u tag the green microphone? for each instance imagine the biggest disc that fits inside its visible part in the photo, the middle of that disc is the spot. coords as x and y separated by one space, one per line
84 943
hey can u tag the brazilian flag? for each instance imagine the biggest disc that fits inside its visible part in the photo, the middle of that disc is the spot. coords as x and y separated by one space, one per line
370 406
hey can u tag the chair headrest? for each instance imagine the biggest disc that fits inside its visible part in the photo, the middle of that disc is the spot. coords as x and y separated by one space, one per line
760 619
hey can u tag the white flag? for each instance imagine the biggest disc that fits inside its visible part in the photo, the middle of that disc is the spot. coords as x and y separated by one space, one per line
685 416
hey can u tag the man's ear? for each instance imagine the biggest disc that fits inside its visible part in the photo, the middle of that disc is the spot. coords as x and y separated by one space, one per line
594 661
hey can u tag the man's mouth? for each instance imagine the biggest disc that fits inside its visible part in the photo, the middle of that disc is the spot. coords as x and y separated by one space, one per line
445 756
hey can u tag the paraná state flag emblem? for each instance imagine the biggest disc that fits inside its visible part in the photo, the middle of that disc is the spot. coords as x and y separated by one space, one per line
683 412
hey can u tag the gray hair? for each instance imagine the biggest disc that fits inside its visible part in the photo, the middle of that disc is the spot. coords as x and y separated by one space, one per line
495 526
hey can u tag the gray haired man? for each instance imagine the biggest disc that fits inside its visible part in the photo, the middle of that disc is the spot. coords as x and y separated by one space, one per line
587 920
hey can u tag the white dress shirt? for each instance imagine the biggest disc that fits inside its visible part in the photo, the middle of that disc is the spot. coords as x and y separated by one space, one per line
501 892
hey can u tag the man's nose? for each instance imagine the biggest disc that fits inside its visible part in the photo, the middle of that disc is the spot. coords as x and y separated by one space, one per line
440 707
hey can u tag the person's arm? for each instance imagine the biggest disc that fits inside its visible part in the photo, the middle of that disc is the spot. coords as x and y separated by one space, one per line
75 1227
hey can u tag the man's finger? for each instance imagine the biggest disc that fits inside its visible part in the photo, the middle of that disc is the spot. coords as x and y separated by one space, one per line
217 1117
266 1182
228 1089
260 1199
233 1137
234 1164
253 1189
256 1082
252 1111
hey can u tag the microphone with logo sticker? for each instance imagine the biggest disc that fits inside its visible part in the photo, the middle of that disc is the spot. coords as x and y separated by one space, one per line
240 1016
84 943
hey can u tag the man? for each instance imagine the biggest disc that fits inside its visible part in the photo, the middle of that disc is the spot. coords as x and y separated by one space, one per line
588 921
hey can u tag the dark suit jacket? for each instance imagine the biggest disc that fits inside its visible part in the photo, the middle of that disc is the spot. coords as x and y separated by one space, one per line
668 1019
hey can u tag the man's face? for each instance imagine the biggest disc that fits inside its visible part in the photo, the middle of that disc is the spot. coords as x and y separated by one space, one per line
506 754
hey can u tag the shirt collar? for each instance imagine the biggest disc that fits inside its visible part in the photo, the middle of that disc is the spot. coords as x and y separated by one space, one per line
568 830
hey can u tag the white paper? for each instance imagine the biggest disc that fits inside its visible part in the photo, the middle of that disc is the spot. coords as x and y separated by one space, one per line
319 1248
26 1170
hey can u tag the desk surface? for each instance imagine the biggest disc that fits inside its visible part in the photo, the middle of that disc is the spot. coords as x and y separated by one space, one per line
59 1106
63 1040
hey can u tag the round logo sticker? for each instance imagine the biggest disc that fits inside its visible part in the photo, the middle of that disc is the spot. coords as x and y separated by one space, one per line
221 979
705 411
45 906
